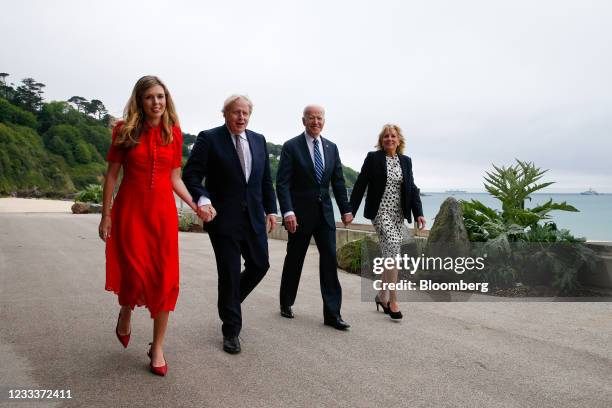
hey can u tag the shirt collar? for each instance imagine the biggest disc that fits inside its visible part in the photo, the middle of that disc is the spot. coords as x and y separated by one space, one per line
310 138
148 126
242 135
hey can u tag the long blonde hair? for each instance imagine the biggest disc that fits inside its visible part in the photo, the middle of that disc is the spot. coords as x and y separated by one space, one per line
394 129
134 117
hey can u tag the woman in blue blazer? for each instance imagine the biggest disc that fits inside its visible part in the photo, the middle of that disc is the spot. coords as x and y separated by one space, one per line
392 197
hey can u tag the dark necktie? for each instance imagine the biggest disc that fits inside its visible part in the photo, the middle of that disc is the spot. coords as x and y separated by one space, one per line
318 162
240 154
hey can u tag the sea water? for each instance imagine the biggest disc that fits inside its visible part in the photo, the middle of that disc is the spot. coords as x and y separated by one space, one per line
593 221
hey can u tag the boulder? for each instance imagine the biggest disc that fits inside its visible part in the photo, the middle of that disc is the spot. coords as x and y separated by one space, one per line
29 193
86 208
448 232
447 238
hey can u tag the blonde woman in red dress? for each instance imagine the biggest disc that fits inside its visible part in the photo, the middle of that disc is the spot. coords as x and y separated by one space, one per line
141 229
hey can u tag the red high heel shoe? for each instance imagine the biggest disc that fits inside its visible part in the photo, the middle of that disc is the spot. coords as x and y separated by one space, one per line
162 370
124 339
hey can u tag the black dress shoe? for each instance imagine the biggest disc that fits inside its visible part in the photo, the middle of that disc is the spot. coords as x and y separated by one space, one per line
231 345
337 323
286 312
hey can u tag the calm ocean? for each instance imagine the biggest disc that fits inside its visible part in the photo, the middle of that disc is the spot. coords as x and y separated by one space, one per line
594 221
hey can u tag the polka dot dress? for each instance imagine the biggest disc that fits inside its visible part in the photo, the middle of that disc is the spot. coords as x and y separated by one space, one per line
390 219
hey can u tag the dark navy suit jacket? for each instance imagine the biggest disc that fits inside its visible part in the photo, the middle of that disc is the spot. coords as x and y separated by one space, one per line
297 186
214 158
373 176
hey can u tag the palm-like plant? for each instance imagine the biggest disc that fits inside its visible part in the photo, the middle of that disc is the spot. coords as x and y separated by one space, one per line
512 186
515 223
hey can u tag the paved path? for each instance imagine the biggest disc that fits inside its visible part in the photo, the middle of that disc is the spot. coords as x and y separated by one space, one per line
58 323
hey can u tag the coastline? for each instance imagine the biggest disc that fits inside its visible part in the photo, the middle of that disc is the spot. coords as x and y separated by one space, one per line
34 205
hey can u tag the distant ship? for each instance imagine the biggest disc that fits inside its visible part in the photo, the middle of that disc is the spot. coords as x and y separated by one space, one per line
455 191
590 191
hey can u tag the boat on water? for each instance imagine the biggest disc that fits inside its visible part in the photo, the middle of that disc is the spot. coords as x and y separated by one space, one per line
455 191
590 191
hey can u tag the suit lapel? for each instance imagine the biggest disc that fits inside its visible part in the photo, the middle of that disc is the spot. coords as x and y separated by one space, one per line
382 161
328 157
230 147
303 148
255 156
404 166
382 164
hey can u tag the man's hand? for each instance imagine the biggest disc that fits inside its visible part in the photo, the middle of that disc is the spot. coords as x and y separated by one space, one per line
291 223
271 222
207 212
421 222
347 219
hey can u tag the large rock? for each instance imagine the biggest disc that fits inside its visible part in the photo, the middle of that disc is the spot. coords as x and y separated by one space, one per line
29 193
448 229
447 238
86 208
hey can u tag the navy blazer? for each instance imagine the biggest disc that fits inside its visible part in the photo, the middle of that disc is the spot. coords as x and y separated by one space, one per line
373 176
214 158
297 186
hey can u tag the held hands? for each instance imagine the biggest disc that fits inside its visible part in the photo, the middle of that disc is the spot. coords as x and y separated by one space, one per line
347 219
420 222
105 227
206 212
271 222
291 223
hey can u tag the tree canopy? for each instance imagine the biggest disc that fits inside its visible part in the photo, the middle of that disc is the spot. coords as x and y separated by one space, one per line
58 147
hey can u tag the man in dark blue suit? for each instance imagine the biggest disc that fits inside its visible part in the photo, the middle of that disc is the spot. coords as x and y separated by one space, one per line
237 204
308 165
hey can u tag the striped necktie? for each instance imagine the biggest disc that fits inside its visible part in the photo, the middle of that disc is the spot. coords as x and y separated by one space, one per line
318 162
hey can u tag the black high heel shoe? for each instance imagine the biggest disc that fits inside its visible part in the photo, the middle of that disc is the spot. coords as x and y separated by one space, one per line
381 304
394 315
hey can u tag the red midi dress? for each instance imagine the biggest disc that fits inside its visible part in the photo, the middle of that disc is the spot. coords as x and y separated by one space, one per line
142 265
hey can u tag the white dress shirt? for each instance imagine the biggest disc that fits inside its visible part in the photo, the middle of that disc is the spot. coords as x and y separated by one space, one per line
248 161
310 144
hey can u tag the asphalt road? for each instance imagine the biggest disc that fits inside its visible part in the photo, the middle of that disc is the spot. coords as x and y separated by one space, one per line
57 332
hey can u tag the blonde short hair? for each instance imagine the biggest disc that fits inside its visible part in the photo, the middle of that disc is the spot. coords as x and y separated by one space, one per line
395 129
230 100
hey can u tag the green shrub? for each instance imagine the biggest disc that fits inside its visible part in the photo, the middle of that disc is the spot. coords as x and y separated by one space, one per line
91 194
510 235
184 222
10 113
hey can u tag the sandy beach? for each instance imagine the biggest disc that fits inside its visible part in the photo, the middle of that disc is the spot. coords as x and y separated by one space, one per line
33 205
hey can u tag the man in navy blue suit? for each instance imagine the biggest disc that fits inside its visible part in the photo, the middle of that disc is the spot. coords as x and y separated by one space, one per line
308 165
237 204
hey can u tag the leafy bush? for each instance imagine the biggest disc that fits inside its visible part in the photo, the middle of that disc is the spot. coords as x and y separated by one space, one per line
25 164
510 235
91 194
184 222
512 186
10 113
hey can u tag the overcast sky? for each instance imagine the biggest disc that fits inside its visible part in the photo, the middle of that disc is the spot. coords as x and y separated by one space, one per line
470 82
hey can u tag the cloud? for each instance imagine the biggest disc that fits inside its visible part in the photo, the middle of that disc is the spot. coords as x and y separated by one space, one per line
471 83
